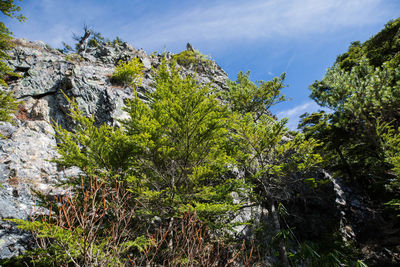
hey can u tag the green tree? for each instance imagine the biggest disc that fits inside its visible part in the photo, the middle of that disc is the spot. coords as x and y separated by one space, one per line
9 9
272 159
181 135
274 165
361 89
360 135
117 41
383 47
390 141
96 39
193 59
244 96
359 98
8 104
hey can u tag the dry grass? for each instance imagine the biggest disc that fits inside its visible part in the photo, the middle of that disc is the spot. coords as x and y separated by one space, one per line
22 113
100 212
21 43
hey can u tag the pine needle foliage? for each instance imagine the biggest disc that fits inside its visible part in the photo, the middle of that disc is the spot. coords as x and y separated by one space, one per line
271 158
247 97
181 133
9 9
8 105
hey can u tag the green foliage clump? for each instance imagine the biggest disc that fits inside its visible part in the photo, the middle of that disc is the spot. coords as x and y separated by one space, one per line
96 39
74 58
268 154
93 43
359 98
8 105
8 8
383 47
390 141
245 96
181 136
194 59
117 41
359 136
128 73
362 90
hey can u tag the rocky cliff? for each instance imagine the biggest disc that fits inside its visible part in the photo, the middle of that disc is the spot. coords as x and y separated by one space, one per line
46 75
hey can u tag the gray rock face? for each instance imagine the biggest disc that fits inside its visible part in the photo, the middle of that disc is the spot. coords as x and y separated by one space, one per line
46 75
24 166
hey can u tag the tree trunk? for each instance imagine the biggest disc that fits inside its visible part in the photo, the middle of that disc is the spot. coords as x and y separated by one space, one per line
171 222
277 228
345 163
82 45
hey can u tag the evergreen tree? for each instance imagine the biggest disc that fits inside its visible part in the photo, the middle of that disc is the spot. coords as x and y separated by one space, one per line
8 104
362 90
9 9
244 96
272 160
181 152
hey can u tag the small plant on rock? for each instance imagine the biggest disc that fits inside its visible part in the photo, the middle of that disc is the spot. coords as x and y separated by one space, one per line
117 41
128 73
8 105
74 58
192 58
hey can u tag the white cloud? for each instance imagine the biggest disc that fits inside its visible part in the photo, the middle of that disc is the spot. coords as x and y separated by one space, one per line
294 113
252 20
54 21
289 62
215 23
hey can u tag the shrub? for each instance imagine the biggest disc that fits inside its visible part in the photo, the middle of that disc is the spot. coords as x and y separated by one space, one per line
73 58
8 105
194 58
85 230
88 227
117 41
128 73
11 10
93 43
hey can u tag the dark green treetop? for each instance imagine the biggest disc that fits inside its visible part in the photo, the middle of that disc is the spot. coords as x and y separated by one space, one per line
362 89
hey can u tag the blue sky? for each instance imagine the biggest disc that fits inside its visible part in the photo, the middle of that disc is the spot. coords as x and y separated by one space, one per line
299 37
